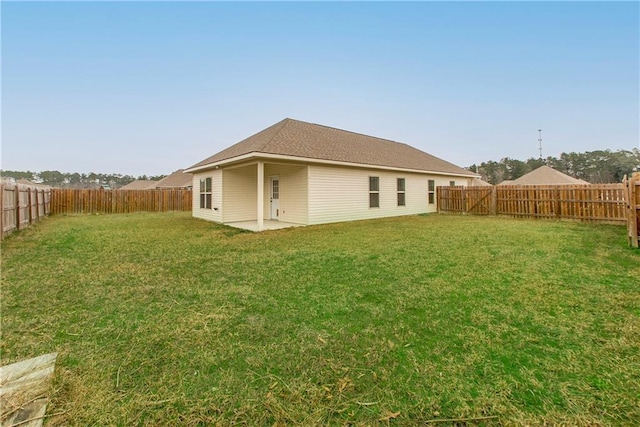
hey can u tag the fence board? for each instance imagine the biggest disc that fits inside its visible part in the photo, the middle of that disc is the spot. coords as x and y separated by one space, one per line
22 205
94 201
597 202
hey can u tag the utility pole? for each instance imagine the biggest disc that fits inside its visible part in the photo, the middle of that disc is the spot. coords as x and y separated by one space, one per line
540 142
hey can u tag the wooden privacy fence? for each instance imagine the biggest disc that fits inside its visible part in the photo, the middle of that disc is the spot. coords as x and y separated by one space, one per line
22 205
633 219
597 202
99 201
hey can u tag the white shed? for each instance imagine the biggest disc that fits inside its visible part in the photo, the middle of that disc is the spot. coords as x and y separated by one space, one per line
299 173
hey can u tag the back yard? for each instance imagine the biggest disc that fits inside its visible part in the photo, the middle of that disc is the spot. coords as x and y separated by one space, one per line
162 319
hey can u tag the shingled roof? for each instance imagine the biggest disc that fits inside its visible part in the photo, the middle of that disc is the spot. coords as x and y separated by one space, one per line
317 142
177 179
140 184
546 175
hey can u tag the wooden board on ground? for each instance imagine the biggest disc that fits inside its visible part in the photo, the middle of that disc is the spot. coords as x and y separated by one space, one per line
23 391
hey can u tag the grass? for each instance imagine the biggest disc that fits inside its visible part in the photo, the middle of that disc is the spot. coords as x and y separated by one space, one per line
161 319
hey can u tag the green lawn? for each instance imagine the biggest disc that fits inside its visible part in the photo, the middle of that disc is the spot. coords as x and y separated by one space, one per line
161 319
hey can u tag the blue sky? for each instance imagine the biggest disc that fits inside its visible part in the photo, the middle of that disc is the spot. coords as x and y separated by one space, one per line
150 87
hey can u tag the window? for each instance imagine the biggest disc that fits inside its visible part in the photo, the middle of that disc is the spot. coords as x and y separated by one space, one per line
452 183
374 192
205 193
432 191
401 192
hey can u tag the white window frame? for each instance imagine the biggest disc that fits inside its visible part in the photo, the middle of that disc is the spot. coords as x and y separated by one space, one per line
374 190
431 190
206 192
402 190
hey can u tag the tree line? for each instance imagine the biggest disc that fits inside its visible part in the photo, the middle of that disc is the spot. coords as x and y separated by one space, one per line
77 180
601 166
596 167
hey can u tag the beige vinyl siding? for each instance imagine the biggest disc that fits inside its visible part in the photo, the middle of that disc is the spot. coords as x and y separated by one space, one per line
216 202
342 194
216 197
239 196
314 194
293 202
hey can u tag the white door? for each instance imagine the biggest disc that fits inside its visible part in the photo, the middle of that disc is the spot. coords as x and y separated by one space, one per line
275 197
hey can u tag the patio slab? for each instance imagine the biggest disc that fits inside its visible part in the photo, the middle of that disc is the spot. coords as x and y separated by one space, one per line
268 225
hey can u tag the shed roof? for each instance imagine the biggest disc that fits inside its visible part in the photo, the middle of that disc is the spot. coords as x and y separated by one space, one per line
546 175
296 138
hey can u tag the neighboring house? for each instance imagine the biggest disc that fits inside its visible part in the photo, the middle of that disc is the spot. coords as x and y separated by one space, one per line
176 180
140 184
545 175
304 173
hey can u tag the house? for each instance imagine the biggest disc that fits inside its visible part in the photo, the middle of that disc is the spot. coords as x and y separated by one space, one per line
545 175
299 173
140 184
177 180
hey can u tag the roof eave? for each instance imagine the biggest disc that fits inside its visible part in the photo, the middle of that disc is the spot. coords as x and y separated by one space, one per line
269 156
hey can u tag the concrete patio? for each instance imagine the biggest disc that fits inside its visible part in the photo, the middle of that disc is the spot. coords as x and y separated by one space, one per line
267 225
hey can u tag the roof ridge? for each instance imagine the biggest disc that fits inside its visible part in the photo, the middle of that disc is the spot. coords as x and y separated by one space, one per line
282 124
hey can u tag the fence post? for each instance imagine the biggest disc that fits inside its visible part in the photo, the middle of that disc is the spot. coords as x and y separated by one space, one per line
37 217
44 208
17 197
464 200
494 200
633 207
29 206
37 205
